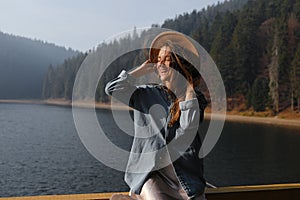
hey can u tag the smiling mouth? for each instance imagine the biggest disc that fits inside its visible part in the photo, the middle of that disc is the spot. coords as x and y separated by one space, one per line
164 71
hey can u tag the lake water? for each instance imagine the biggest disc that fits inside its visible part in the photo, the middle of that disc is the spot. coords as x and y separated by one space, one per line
41 153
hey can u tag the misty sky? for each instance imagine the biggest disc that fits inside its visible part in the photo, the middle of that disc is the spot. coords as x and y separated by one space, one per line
84 24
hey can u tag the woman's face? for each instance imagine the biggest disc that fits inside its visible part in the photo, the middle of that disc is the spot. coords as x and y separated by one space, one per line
164 70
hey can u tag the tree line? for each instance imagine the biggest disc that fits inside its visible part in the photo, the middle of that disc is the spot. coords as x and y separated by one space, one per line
255 44
23 65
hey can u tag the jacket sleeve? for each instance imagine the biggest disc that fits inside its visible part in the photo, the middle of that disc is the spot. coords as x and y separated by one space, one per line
192 113
189 117
183 136
122 87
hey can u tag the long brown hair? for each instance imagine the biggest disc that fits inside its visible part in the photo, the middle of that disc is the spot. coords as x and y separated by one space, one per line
181 65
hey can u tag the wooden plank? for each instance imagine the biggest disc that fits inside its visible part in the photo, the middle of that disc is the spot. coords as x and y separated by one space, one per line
94 196
251 188
257 192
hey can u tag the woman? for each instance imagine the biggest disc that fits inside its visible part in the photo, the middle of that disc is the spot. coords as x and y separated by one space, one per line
164 162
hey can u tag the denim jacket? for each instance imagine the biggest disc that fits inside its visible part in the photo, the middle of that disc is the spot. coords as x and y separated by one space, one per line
155 144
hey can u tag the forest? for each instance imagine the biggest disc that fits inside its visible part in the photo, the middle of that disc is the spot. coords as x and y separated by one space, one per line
255 44
23 65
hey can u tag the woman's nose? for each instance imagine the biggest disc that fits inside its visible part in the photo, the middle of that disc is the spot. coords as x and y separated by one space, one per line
161 62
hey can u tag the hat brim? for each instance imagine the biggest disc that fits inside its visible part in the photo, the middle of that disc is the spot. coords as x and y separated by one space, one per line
186 50
176 38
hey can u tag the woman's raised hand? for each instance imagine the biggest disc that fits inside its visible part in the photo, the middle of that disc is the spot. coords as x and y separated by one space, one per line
190 93
145 68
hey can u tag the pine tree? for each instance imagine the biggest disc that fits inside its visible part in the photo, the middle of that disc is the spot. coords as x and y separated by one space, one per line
223 54
269 40
48 83
246 51
259 94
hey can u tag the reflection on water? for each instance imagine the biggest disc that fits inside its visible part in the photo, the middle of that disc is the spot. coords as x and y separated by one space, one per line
40 153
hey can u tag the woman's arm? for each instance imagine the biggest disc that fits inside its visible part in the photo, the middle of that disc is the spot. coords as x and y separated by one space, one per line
124 86
190 93
192 112
146 68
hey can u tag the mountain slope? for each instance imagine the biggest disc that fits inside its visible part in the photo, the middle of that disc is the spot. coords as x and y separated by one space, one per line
23 65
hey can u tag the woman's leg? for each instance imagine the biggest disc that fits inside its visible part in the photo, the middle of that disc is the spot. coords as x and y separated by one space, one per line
156 188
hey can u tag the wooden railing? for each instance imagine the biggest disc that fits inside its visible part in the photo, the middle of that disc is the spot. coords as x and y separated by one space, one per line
256 192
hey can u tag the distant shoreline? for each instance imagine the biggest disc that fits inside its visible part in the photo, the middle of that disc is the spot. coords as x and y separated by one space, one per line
229 117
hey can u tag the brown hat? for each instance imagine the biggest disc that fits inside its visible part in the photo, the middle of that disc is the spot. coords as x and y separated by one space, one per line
183 46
